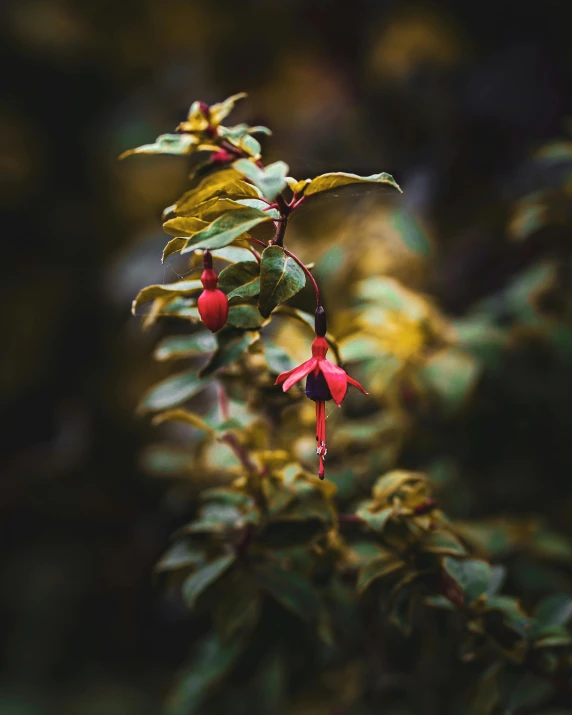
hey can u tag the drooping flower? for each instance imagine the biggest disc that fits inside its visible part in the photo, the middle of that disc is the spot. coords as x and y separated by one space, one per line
212 302
324 381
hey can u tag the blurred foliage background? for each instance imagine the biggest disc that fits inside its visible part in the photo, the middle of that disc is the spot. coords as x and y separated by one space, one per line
467 105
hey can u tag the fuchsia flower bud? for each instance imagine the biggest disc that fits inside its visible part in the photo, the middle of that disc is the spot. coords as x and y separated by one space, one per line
212 302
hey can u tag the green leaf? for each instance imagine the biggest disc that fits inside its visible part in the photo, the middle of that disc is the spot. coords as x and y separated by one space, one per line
234 254
472 576
512 614
180 307
277 359
280 279
337 179
244 316
378 568
286 533
290 590
180 346
271 180
168 290
226 228
259 129
175 144
180 555
555 610
249 145
230 348
498 574
172 391
409 231
214 658
217 517
240 280
551 637
481 339
363 552
442 542
439 602
402 611
376 520
197 582
167 460
236 132
452 375
237 610
261 205
487 695
530 691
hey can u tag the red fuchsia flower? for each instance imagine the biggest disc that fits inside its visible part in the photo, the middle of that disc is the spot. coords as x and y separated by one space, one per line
212 302
324 381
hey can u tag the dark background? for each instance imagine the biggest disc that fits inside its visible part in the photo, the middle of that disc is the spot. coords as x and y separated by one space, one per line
451 98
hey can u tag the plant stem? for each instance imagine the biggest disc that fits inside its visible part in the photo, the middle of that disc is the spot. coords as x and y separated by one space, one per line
299 262
255 254
258 241
308 273
278 239
239 452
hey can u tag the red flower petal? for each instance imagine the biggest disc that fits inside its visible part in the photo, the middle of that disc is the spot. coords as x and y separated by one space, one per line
355 383
292 376
336 378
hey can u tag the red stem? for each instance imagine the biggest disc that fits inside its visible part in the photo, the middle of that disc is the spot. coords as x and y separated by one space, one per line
299 262
255 254
308 273
240 452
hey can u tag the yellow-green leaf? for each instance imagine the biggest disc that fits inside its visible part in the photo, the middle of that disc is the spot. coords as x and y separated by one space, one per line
379 567
222 109
228 182
295 185
196 119
168 290
174 246
337 179
180 415
184 226
175 144
441 542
